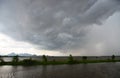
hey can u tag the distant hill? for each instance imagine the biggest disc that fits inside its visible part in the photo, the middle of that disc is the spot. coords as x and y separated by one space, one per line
21 54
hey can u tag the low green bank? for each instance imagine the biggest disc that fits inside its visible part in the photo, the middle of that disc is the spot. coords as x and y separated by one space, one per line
45 61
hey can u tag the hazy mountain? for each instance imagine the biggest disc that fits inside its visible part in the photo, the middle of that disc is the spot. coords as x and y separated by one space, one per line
12 54
21 54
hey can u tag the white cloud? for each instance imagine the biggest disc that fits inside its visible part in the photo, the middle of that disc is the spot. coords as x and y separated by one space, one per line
8 45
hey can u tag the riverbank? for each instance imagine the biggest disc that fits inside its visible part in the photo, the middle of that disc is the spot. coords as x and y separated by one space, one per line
34 62
45 60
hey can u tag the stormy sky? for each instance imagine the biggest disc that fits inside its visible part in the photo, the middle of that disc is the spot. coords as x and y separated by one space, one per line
60 27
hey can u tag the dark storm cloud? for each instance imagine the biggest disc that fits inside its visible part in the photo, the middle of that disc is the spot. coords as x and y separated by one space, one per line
54 24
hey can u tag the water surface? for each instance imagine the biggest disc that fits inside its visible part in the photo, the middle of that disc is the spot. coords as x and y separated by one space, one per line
98 70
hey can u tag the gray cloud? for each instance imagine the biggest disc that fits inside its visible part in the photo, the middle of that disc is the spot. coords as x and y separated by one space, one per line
54 24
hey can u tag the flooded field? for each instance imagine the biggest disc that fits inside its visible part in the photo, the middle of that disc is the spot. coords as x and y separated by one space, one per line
98 70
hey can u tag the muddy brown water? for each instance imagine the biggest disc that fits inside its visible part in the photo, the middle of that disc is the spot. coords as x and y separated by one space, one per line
96 70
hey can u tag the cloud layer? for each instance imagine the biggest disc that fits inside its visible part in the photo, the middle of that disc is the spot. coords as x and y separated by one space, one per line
54 24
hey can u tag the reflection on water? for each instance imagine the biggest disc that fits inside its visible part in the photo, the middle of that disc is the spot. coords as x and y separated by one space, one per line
102 70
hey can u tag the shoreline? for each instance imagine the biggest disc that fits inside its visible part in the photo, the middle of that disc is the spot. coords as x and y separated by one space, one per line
46 60
35 63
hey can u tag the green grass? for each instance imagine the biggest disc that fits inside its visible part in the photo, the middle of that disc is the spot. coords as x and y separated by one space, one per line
28 62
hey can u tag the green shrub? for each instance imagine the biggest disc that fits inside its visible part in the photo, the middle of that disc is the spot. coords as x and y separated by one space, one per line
113 57
15 59
1 61
44 58
29 62
84 57
70 59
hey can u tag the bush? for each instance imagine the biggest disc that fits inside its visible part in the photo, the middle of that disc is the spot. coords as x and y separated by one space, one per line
1 60
84 57
44 58
15 59
29 62
113 57
70 58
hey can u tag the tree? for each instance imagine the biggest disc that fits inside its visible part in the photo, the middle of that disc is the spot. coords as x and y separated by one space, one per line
44 58
15 58
84 57
1 59
70 58
113 57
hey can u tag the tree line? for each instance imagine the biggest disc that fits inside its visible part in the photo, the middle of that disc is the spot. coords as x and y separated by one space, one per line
71 60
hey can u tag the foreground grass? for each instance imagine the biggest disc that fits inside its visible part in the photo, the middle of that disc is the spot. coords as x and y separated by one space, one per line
29 62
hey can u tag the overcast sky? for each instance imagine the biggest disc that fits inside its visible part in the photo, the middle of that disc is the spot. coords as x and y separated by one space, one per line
60 27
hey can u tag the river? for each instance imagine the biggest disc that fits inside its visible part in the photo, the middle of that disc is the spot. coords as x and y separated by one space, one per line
95 70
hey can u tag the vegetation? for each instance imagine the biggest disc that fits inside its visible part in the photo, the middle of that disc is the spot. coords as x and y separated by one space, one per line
70 58
84 57
113 57
1 60
45 61
15 59
29 62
